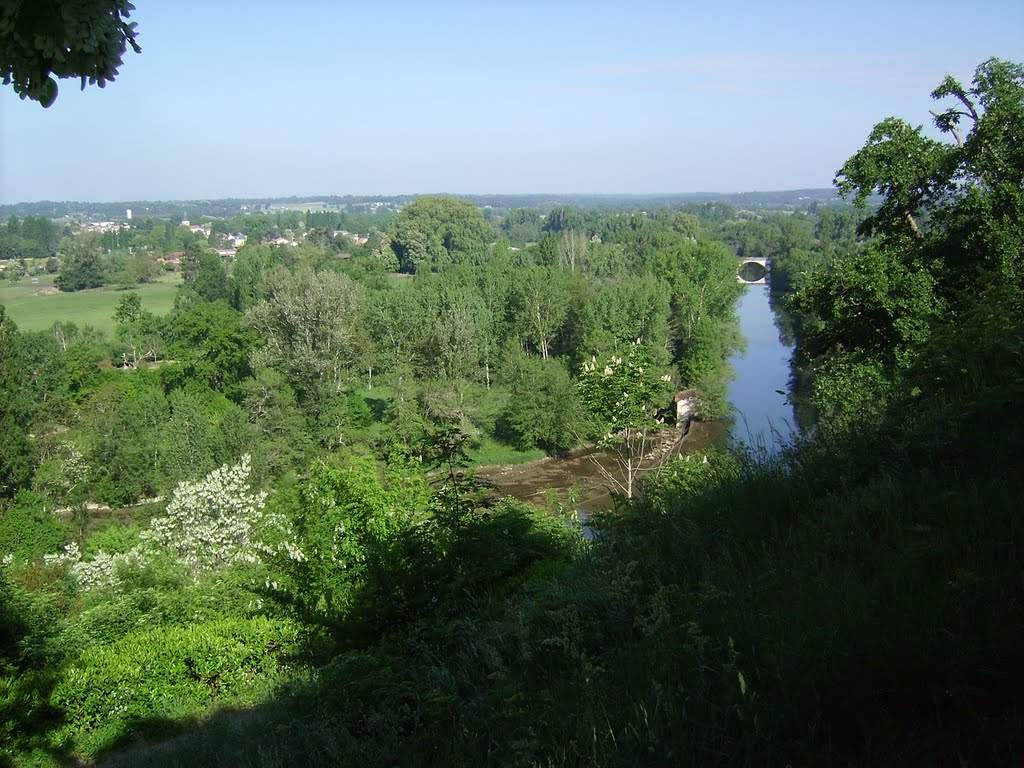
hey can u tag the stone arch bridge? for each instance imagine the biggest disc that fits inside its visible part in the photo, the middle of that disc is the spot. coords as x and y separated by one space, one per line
760 260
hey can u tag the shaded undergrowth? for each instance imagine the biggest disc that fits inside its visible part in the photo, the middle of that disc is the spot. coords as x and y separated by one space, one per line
822 608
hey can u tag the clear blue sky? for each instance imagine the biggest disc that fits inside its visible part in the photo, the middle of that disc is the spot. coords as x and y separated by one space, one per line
260 98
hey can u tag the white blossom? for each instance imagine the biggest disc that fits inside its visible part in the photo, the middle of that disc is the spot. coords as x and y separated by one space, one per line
68 554
208 524
214 522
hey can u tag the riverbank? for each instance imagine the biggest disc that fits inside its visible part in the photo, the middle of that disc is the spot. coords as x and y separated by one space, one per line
553 479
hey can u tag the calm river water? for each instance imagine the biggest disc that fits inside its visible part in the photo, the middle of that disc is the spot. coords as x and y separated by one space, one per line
764 417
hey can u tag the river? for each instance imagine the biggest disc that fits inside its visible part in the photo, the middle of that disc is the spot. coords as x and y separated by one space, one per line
763 411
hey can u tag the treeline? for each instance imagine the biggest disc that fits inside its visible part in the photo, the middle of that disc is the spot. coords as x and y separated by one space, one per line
351 221
791 200
33 237
794 242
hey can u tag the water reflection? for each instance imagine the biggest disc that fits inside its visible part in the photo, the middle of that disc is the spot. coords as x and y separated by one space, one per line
759 394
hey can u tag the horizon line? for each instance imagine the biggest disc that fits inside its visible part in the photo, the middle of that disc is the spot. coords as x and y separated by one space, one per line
317 198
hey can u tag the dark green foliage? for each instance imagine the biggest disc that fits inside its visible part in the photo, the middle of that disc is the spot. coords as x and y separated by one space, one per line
352 221
521 225
405 424
564 219
34 237
113 538
83 353
359 413
344 516
27 531
272 408
837 589
134 269
82 265
631 308
247 274
736 615
125 419
211 282
45 39
26 633
16 454
187 444
111 692
882 308
542 408
948 229
190 259
211 345
967 194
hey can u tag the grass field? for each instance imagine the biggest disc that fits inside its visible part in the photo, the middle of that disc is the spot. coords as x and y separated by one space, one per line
37 306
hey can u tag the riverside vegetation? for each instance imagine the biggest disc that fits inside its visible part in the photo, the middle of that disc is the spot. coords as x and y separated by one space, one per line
324 585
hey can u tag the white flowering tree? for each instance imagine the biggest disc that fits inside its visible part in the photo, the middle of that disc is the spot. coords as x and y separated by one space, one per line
624 394
209 524
217 521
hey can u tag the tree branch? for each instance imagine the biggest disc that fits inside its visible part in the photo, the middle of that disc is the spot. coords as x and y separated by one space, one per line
916 230
962 98
951 128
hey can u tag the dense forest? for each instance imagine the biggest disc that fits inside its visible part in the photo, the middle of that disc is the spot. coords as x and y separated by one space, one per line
248 532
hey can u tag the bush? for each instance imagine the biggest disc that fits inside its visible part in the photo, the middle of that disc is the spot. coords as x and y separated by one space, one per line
115 539
28 646
27 532
145 681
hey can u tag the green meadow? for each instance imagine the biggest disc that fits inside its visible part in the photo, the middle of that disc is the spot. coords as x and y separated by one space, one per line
35 306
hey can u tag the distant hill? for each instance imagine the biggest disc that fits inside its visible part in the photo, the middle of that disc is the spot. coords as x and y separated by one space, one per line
794 199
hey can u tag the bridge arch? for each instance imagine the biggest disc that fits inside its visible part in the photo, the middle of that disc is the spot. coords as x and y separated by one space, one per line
761 261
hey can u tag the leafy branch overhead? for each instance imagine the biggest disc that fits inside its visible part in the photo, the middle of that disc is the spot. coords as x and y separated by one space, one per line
919 177
41 40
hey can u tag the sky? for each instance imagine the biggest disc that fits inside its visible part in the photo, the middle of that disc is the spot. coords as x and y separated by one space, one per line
262 98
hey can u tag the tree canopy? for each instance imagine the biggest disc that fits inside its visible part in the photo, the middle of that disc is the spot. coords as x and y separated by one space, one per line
45 39
947 242
433 232
959 202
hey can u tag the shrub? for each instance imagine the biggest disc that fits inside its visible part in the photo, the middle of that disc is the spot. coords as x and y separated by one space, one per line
158 675
27 532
